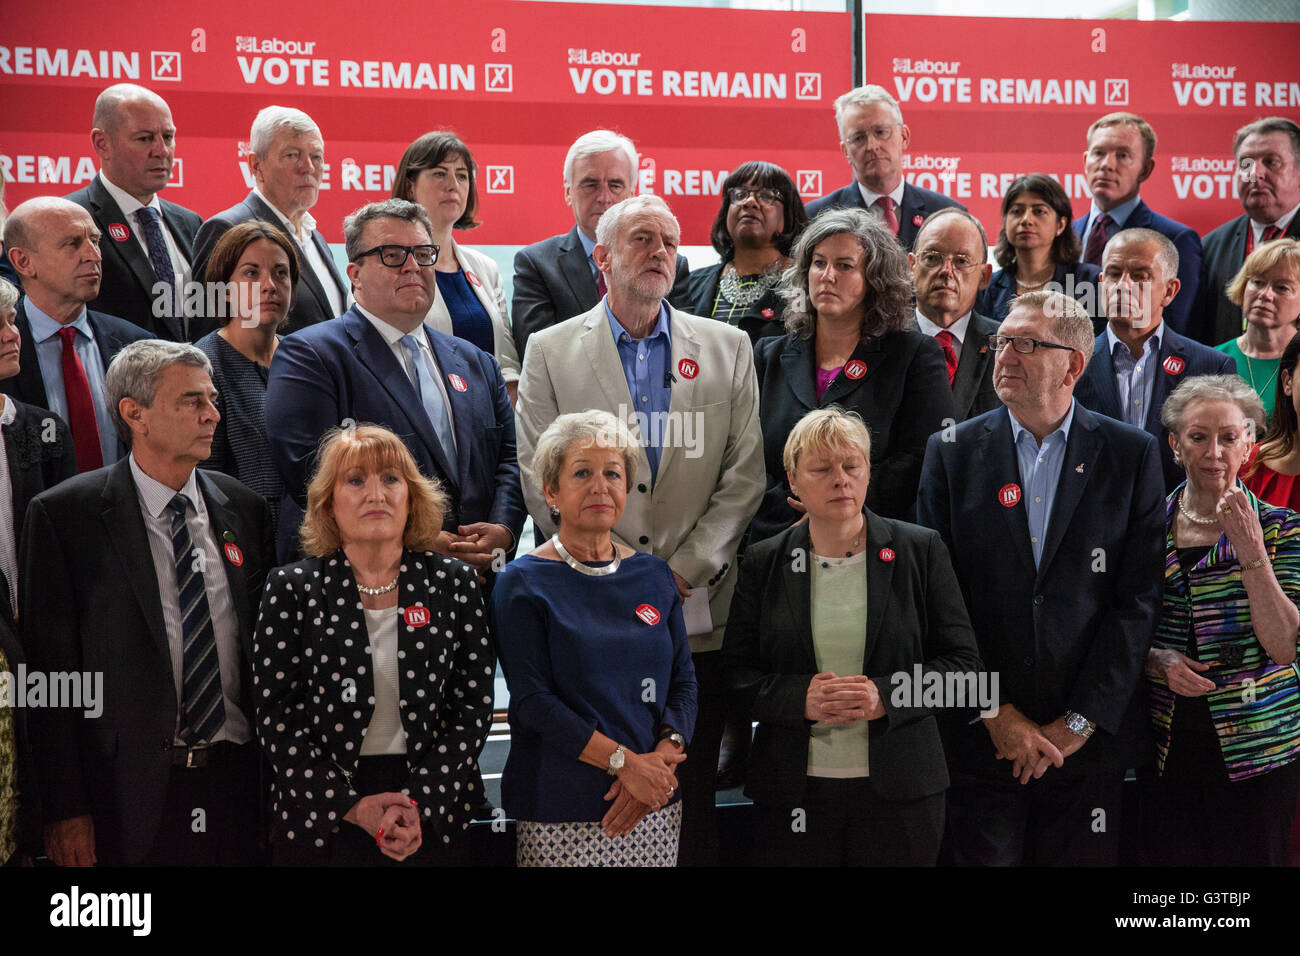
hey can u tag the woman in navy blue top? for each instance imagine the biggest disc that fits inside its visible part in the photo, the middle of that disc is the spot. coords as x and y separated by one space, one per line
594 648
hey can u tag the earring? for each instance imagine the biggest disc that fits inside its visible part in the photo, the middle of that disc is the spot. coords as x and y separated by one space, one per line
1178 458
555 514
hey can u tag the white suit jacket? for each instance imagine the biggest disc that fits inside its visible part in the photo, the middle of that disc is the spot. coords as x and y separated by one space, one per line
711 472
490 292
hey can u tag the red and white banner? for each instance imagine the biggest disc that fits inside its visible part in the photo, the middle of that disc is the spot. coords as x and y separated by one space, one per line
698 90
988 99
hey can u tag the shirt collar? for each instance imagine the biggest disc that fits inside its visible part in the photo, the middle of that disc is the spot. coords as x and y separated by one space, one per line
587 243
1281 223
44 327
1156 339
1017 429
617 330
155 495
1119 215
125 201
958 328
10 413
870 198
304 234
391 333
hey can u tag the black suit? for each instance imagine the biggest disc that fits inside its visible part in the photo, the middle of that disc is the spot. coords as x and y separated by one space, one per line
127 287
91 602
310 303
1180 358
917 204
702 290
903 397
1214 318
38 447
1069 634
972 387
554 282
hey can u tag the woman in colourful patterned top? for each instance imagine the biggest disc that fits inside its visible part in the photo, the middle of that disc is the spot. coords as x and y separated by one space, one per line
1224 691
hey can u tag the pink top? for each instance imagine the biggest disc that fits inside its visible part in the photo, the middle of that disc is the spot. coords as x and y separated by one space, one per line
824 378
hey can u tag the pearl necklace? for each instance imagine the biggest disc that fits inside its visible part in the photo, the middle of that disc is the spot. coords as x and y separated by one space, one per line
1191 517
374 591
581 568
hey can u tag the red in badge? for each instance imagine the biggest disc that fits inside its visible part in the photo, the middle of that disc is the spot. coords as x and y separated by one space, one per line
119 231
855 369
473 279
768 313
689 369
917 220
1173 365
648 614
417 615
886 554
457 382
1009 495
233 554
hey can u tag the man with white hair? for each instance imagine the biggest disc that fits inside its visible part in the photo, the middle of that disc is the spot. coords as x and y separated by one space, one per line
873 137
557 278
147 240
287 160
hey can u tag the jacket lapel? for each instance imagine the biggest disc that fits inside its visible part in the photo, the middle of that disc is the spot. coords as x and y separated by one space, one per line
129 248
997 451
974 358
577 272
797 584
126 533
29 383
306 275
451 361
685 346
880 582
1173 345
1106 391
223 521
1081 451
868 352
799 363
180 232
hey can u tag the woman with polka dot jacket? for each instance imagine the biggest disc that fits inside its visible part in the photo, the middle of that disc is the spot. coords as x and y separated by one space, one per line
372 668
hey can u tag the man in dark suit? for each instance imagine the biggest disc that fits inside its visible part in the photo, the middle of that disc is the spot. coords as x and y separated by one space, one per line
949 269
66 348
556 279
152 240
287 160
1119 158
873 137
1071 504
1139 360
1267 178
150 574
380 364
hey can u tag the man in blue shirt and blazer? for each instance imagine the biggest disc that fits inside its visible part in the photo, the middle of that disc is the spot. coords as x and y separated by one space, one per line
1054 517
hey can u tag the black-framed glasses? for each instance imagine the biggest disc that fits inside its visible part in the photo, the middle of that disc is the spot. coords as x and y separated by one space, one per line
395 256
1022 344
765 196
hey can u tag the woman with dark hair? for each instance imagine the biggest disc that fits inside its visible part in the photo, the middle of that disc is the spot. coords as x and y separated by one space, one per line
760 218
1271 468
848 300
1036 246
259 268
438 172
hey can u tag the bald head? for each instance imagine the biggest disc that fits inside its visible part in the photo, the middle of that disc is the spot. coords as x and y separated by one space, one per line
54 246
135 139
109 103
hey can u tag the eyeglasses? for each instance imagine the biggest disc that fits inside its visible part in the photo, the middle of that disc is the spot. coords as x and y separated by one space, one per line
933 261
878 133
1022 344
395 256
765 197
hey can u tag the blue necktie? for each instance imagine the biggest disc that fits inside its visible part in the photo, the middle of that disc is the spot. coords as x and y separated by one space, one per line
431 397
203 710
161 260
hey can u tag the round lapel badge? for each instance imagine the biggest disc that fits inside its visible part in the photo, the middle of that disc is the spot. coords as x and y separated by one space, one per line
119 231
648 614
886 554
688 368
768 313
1174 365
417 615
457 382
855 369
473 279
917 219
1009 495
233 554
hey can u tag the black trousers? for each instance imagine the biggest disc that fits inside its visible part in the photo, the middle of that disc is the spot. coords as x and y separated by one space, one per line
1068 817
698 774
844 823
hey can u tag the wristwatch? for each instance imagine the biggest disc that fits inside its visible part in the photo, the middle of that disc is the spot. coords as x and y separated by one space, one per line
616 760
1079 724
676 738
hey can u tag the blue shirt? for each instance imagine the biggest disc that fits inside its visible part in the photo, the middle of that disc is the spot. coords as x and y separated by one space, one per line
1040 473
1135 379
49 354
646 367
1119 215
587 245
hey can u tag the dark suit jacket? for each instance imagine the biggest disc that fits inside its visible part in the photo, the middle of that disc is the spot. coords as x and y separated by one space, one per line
310 303
1072 634
914 616
39 449
90 602
1079 277
903 397
345 370
972 386
553 282
1178 314
702 289
1215 318
128 279
300 661
917 204
1097 391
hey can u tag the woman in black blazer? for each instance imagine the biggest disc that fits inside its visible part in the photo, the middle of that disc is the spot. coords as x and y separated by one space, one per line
371 755
848 313
832 622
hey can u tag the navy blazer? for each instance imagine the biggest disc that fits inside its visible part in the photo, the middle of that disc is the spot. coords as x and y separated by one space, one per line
1073 633
1180 358
1215 318
915 616
310 303
553 282
917 204
1178 314
345 370
126 289
1080 278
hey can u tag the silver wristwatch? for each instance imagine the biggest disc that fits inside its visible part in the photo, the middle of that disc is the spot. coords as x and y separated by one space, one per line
616 760
1079 724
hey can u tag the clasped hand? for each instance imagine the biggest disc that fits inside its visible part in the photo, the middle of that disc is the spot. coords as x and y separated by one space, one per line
646 783
842 700
392 819
1030 748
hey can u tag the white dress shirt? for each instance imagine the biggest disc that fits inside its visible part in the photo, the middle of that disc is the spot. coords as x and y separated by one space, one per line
1257 228
958 329
131 207
393 336
314 261
897 195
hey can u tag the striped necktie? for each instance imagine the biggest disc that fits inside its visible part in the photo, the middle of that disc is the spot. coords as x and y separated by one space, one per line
203 710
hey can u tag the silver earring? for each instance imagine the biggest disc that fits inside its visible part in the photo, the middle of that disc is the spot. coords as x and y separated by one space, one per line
555 514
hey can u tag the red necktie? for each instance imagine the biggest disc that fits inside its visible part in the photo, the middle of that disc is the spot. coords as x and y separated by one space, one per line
945 339
887 213
81 407
1270 233
601 288
1097 240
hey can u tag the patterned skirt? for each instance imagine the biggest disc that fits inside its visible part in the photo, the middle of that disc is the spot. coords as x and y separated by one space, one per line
652 843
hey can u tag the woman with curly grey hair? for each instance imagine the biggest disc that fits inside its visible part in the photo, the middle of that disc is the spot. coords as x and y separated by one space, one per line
850 342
